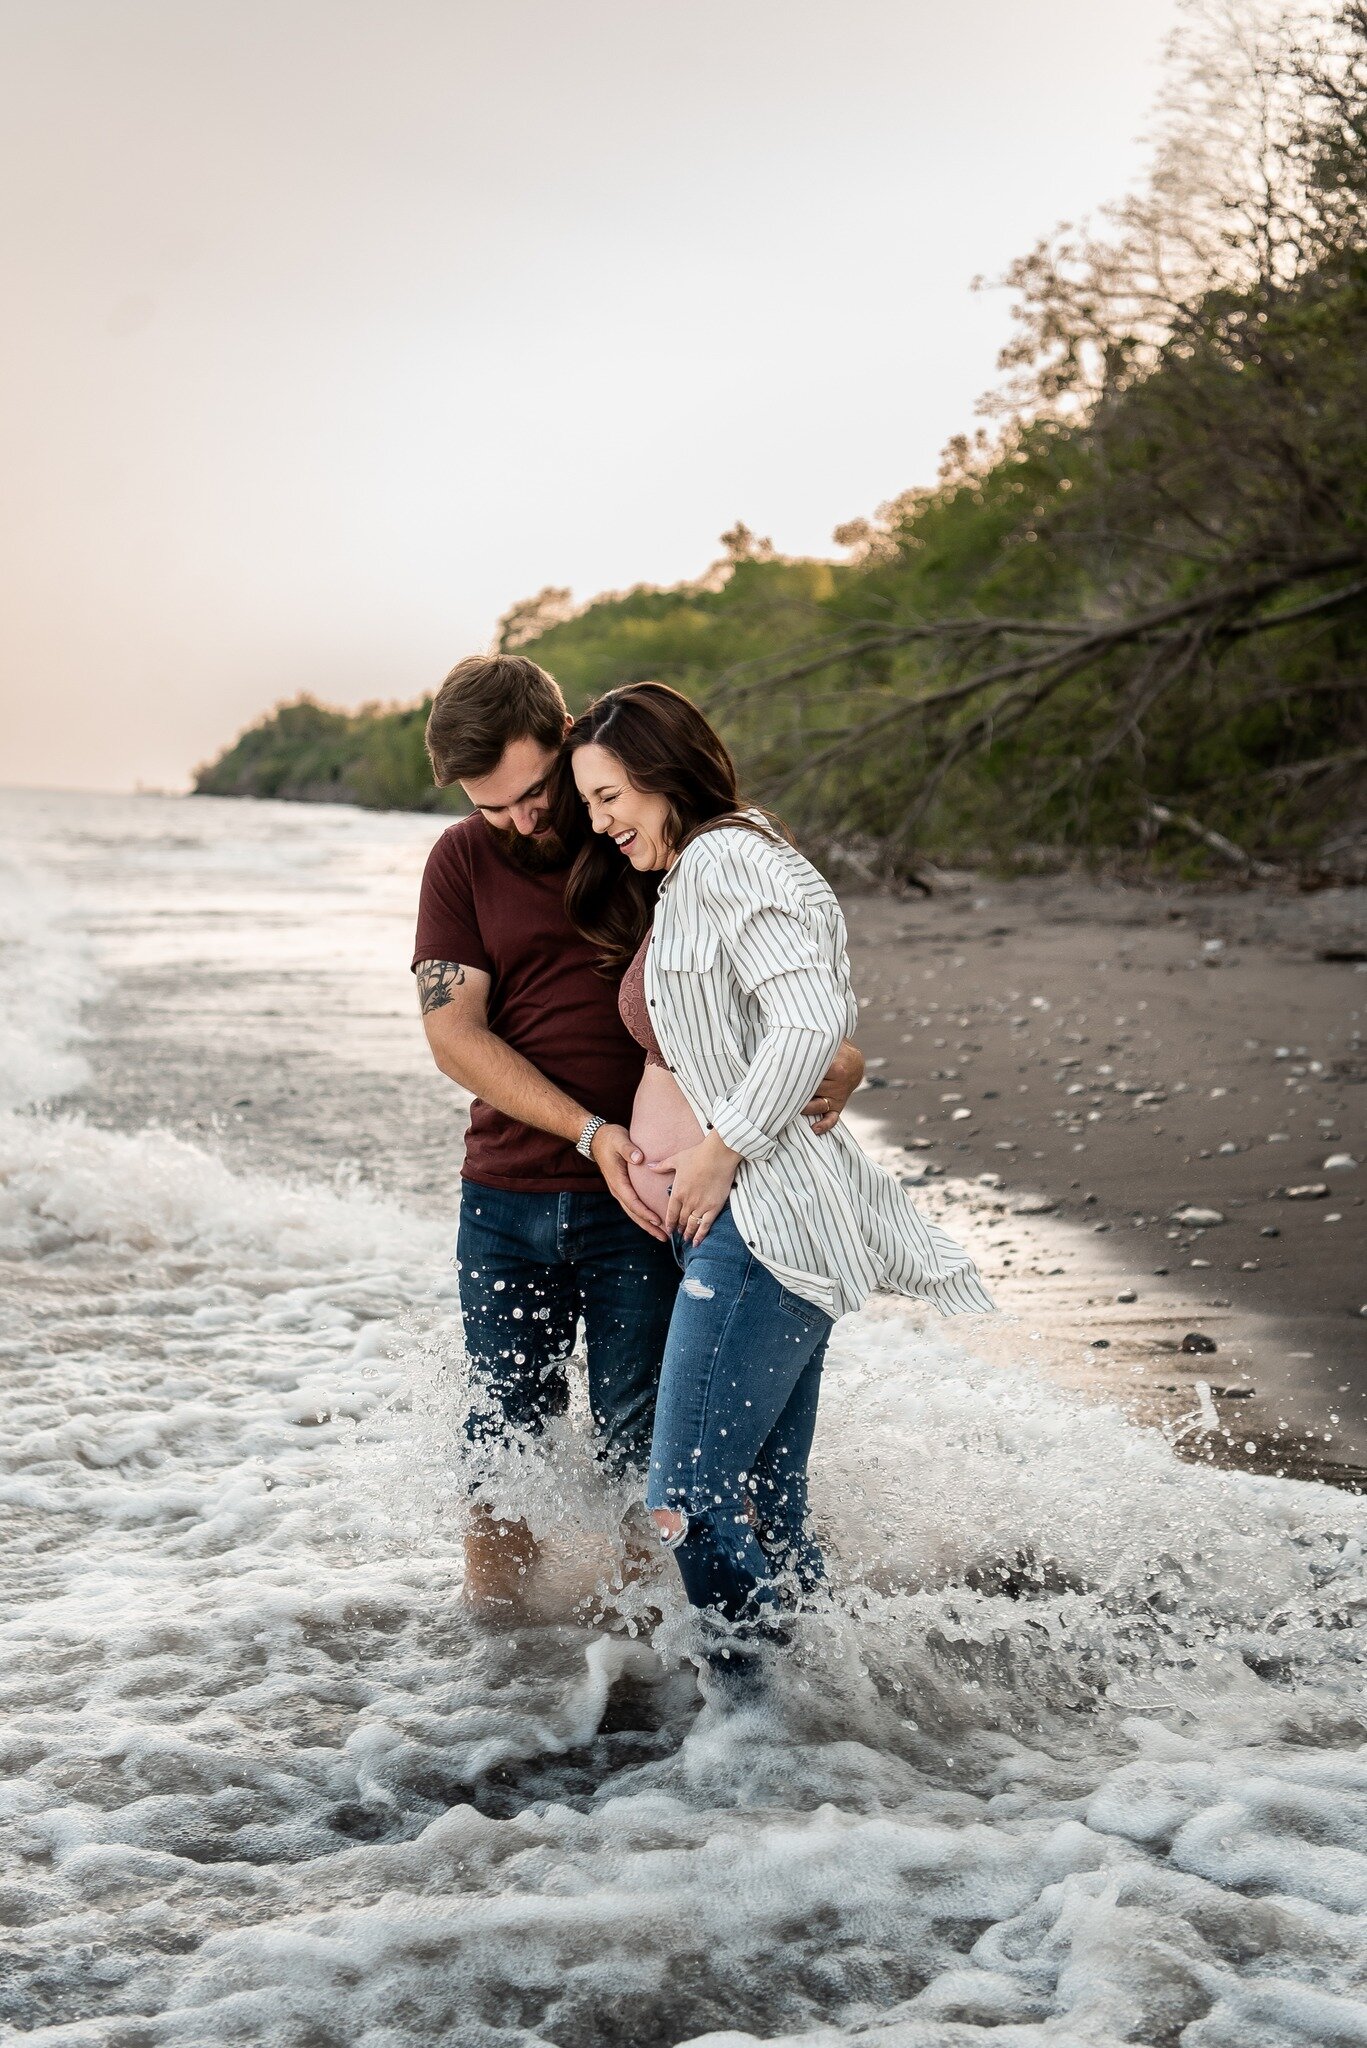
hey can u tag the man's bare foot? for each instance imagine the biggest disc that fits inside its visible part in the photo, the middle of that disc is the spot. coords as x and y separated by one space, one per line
499 1555
640 1545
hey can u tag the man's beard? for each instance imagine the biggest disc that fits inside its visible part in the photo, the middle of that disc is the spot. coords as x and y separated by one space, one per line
536 853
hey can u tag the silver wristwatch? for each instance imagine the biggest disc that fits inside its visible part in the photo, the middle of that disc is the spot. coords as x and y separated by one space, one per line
588 1134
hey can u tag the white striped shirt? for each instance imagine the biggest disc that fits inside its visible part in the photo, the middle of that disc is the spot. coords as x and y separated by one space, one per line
748 982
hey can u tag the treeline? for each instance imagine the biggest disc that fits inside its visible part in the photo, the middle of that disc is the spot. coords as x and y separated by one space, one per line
308 752
1131 616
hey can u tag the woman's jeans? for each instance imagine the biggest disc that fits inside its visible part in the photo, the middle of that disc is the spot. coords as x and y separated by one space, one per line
734 1424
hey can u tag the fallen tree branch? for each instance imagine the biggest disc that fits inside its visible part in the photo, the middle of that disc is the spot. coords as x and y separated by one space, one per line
1153 682
1216 841
1328 686
1272 621
1307 771
1096 641
725 695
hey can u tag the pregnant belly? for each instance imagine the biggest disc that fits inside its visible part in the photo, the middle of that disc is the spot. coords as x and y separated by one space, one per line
661 1124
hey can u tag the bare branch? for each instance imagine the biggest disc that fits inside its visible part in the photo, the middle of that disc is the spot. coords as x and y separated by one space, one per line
1296 773
1216 841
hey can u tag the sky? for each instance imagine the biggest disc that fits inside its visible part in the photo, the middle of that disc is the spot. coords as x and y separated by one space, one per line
333 327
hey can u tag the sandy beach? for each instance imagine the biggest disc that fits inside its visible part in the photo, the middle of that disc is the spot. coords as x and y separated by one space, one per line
1159 1081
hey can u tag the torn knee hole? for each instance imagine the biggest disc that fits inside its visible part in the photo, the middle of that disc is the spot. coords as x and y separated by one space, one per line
671 1525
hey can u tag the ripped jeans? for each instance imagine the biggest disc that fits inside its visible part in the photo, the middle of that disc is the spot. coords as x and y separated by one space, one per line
733 1427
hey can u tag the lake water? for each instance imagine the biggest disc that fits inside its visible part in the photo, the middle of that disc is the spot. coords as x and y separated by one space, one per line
1074 1753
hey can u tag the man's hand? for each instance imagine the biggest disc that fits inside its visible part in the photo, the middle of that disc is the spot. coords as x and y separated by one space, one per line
838 1084
702 1185
612 1149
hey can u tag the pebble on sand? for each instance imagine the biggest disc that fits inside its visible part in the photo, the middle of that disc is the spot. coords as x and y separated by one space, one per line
1204 1219
1313 1191
1196 1340
1339 1162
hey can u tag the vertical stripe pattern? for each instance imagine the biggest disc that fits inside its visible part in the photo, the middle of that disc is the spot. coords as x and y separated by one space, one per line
748 982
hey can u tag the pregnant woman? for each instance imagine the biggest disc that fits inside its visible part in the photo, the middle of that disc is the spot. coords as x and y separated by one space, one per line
740 993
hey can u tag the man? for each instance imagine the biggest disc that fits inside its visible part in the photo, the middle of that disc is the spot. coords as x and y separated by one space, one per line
516 1011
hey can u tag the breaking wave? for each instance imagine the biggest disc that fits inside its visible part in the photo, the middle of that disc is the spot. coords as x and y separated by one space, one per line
1072 1753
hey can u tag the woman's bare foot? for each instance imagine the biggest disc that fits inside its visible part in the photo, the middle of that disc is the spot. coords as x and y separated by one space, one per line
499 1555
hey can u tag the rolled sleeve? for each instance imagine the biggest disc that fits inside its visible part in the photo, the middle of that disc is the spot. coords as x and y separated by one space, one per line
787 1065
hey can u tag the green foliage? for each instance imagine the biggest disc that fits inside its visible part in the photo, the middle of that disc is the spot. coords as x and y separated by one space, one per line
1135 622
374 757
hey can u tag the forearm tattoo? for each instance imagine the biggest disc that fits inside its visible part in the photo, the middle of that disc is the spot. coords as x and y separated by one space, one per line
438 981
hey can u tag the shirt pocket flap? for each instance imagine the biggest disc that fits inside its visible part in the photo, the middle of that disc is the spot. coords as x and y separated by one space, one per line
683 949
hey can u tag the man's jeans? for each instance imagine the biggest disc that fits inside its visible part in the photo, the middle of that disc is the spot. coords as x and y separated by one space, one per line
734 1425
530 1267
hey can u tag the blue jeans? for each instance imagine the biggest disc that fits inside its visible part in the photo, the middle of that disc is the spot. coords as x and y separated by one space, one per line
734 1424
530 1267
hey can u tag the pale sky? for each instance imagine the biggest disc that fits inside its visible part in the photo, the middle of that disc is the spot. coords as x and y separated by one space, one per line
332 327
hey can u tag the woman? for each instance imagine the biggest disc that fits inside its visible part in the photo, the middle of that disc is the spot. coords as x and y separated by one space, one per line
740 993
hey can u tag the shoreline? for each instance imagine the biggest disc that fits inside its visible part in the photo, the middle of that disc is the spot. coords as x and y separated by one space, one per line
1024 1030
1111 1057
1072 1311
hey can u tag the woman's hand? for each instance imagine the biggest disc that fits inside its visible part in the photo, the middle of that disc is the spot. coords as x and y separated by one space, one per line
701 1187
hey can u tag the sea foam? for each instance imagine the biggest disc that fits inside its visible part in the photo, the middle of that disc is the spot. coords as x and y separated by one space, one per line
1070 1752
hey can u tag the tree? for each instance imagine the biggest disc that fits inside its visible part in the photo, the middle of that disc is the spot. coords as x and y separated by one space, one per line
530 617
743 546
1158 569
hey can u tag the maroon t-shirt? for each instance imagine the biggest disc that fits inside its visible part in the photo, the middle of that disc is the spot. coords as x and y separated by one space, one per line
547 1000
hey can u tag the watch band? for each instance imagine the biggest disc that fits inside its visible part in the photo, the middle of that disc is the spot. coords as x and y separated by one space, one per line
588 1134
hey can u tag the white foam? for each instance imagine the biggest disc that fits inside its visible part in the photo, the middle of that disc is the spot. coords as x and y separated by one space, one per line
1072 1753
63 1182
47 972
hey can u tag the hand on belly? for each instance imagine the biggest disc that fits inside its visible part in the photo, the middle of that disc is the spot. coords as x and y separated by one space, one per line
661 1124
653 1188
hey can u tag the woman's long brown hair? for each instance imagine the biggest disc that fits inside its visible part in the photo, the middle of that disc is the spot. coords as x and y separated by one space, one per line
668 748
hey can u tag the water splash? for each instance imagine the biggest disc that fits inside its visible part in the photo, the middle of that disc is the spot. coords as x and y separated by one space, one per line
1072 1750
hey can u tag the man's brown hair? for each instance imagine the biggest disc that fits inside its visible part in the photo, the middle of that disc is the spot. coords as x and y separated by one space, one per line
487 701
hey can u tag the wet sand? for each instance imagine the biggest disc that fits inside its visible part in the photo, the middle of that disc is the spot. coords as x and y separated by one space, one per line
1116 1056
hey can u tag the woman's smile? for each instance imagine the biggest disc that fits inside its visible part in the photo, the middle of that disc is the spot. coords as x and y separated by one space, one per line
637 821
